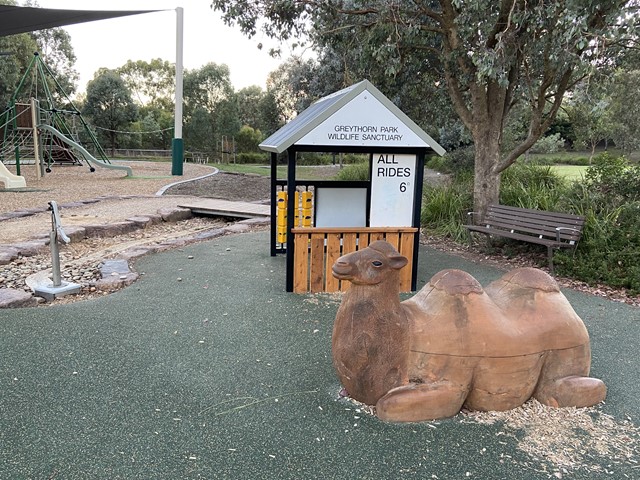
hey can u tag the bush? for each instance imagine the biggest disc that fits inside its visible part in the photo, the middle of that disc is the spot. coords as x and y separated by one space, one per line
313 158
457 161
548 144
355 172
445 207
609 251
532 186
253 157
608 198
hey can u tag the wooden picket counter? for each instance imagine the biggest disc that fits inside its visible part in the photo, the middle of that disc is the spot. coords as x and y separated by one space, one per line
316 250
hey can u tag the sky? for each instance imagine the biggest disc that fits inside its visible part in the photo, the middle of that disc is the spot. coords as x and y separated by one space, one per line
110 43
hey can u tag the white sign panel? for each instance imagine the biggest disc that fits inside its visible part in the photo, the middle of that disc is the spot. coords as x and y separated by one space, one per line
392 186
364 121
341 207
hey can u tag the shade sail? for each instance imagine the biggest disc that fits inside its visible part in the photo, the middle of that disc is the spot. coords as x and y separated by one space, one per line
15 20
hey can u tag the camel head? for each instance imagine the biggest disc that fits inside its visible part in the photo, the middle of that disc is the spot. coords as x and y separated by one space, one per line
371 265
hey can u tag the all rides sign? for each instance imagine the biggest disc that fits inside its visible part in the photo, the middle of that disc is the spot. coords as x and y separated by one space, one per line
370 124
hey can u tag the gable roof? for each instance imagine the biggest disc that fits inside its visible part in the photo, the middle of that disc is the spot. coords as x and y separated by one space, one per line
14 20
360 116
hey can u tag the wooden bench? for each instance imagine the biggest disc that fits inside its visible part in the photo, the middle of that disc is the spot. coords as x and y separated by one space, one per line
552 229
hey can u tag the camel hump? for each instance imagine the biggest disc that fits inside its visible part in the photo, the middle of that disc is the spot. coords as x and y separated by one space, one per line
455 282
528 277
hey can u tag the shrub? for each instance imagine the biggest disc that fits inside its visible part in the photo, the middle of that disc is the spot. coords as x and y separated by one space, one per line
548 144
456 161
533 186
608 198
609 251
252 157
355 172
445 207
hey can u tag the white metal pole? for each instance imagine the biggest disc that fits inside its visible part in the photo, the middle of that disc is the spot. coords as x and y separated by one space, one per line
179 68
178 148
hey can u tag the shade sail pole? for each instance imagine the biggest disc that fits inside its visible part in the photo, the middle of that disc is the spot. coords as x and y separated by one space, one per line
177 145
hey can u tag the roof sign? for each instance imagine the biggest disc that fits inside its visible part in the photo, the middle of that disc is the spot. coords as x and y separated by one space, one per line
357 116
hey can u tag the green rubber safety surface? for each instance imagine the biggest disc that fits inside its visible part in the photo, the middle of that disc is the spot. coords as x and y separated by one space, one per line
206 368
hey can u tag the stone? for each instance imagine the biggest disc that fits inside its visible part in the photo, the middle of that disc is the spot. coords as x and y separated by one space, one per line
31 247
256 221
455 344
7 254
175 214
110 230
11 298
144 221
209 234
237 228
75 233
115 274
137 252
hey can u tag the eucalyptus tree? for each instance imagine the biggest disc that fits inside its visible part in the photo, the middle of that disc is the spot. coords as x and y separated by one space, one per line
490 55
109 105
624 110
588 110
151 83
209 97
17 53
248 99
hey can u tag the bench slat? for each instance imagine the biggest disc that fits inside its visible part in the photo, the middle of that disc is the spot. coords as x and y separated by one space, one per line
533 229
535 213
518 236
542 221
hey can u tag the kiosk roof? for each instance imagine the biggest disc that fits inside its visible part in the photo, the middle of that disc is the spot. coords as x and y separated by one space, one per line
357 116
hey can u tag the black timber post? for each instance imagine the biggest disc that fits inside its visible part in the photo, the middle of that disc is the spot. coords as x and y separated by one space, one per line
417 207
274 202
291 189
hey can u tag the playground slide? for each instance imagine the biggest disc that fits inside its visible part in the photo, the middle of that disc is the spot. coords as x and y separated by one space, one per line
9 179
90 158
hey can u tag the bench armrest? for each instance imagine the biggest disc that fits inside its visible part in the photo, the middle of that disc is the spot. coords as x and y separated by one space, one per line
558 229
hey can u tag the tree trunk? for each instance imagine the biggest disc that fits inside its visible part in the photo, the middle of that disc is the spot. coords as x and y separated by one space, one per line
486 182
113 144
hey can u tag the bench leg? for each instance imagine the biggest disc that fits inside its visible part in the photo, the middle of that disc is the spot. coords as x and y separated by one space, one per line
550 256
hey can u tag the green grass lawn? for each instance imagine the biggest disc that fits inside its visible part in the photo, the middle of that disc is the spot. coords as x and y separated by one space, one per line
571 172
321 172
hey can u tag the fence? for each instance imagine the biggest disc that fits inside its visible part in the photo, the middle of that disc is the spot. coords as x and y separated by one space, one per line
317 249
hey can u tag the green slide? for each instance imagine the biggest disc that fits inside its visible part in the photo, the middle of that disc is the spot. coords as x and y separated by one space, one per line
88 157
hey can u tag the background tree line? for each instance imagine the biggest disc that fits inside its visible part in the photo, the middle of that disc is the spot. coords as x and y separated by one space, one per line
502 78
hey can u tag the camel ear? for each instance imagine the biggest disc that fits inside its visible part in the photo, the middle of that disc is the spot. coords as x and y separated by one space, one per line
397 261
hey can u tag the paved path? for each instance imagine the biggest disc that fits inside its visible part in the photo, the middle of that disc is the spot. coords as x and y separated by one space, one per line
206 368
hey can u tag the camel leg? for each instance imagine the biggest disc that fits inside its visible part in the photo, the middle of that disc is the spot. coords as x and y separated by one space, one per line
573 391
564 380
417 402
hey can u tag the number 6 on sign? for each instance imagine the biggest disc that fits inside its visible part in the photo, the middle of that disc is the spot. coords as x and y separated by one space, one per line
392 190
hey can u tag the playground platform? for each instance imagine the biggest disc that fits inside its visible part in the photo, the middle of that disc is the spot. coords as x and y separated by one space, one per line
225 208
207 368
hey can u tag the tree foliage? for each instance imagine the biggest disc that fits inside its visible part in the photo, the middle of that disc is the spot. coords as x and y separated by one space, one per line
54 47
109 105
624 110
151 83
491 55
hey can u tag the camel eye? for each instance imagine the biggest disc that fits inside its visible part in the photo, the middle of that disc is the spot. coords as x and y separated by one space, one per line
376 263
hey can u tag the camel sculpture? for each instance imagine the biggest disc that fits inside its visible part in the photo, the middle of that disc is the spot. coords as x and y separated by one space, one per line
455 344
